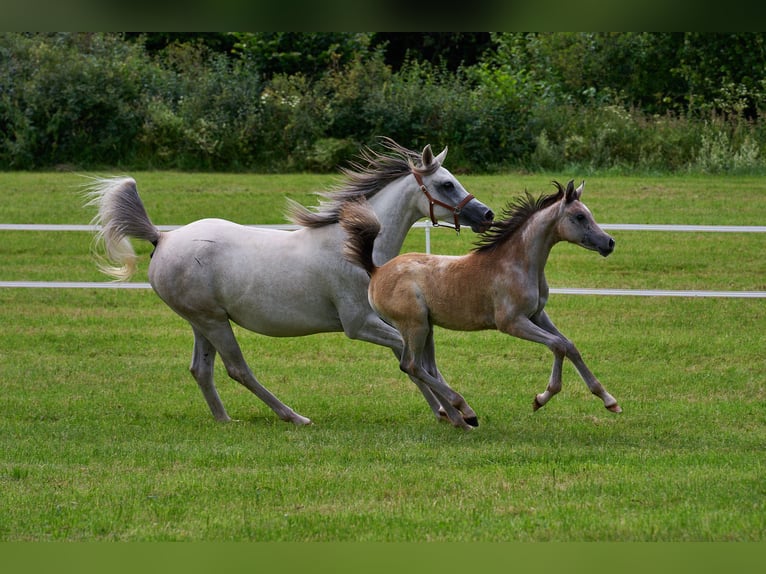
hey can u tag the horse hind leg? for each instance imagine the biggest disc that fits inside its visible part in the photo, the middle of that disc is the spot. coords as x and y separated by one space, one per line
203 360
221 337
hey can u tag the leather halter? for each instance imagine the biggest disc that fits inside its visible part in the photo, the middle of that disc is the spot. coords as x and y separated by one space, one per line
456 209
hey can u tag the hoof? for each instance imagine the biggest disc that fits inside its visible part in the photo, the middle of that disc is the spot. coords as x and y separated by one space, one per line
299 420
536 404
615 408
472 421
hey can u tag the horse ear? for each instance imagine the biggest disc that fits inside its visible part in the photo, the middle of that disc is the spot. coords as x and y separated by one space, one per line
441 156
428 156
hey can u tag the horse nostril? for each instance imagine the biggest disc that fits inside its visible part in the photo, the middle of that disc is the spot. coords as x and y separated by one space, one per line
611 244
489 216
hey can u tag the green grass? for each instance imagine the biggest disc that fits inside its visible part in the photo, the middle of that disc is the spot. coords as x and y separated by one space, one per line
105 436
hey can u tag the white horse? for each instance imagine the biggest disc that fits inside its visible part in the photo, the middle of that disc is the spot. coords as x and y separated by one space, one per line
282 283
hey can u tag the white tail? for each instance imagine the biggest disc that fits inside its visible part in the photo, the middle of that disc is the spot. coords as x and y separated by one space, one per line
120 215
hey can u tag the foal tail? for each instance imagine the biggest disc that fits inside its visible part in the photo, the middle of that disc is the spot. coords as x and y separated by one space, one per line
121 215
361 225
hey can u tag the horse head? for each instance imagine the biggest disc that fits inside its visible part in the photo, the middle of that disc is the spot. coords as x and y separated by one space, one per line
576 223
445 196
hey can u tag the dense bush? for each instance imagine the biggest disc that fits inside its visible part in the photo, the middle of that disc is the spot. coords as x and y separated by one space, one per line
534 101
69 98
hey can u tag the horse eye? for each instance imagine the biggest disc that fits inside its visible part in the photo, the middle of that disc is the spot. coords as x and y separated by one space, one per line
580 217
448 185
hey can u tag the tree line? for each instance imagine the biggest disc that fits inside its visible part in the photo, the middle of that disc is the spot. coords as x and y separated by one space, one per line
292 101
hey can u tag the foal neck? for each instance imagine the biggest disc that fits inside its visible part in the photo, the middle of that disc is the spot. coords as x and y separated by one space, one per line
532 243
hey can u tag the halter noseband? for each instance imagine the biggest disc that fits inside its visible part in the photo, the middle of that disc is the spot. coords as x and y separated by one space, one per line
433 201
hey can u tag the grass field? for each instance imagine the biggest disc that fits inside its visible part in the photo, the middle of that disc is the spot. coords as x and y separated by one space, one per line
105 436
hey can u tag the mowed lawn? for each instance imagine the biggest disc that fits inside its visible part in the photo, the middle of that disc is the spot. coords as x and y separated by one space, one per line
105 436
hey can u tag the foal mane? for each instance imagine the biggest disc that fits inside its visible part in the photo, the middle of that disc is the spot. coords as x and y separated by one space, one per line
364 177
515 215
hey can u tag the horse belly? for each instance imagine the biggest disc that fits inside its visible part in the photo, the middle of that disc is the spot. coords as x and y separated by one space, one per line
284 313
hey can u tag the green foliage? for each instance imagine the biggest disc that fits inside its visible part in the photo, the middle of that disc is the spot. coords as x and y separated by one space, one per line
307 101
204 113
309 54
724 72
66 98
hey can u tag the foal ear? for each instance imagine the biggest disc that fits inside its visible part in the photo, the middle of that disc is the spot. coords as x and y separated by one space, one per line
573 194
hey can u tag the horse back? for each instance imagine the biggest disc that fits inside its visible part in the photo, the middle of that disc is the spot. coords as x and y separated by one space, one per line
246 273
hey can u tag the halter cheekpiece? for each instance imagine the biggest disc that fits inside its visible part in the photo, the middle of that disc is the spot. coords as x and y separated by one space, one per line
456 209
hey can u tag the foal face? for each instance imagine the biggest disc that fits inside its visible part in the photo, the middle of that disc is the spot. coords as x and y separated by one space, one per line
576 225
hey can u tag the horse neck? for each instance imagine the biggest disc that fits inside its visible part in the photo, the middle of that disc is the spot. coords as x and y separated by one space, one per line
397 211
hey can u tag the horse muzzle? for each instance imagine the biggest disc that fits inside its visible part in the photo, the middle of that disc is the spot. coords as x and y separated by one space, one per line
480 219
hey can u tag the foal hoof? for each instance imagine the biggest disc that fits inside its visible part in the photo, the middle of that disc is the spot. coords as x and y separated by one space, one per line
442 416
473 421
615 408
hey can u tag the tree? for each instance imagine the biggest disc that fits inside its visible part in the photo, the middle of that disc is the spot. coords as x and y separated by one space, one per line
451 49
310 54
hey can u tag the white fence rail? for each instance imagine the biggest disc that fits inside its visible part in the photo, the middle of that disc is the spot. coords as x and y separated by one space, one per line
424 224
560 291
427 226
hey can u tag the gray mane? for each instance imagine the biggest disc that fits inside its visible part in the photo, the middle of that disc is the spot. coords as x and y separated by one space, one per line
362 178
515 215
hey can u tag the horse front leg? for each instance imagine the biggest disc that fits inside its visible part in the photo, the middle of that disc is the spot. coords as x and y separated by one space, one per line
554 383
573 354
524 328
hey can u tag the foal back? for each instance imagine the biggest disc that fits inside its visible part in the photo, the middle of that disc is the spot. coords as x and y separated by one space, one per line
448 291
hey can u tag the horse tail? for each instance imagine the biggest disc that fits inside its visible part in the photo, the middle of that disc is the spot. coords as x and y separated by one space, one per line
121 214
361 225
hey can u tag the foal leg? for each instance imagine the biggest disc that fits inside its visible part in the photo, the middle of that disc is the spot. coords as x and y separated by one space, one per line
375 330
203 359
221 336
573 355
429 363
590 379
523 328
415 362
561 347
